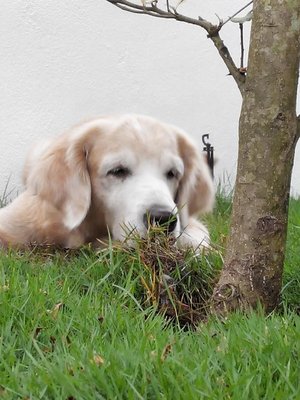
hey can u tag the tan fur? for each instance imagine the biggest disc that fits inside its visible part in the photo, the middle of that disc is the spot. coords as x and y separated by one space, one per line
61 204
196 187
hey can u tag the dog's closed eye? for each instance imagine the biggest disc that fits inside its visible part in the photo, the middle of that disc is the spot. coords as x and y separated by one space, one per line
119 172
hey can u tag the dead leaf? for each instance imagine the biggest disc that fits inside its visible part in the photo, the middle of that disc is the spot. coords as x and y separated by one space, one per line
37 331
97 359
4 288
166 351
100 318
55 310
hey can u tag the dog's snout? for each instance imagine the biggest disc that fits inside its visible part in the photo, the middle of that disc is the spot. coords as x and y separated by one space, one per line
160 217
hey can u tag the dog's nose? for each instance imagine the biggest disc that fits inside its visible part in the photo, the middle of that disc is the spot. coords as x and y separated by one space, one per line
160 217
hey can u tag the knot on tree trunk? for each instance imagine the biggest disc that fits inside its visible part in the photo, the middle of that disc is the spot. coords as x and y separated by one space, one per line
281 116
269 225
268 232
249 280
226 298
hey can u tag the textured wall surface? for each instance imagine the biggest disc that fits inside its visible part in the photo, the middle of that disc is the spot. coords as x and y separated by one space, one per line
63 61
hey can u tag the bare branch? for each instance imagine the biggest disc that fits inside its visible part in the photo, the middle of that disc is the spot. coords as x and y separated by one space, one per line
170 13
242 45
236 13
168 6
155 11
226 57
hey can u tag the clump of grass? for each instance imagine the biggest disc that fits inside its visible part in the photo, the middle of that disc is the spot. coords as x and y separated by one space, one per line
176 282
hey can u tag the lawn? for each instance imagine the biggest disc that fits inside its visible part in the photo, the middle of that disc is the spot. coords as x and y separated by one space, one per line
85 325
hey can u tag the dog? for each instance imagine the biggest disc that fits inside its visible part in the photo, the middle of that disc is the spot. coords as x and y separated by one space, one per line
107 177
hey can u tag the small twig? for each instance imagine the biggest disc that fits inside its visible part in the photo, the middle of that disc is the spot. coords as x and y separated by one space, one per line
220 20
243 8
168 6
155 11
242 46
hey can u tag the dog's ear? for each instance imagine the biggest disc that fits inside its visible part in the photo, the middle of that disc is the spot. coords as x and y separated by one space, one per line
196 189
57 172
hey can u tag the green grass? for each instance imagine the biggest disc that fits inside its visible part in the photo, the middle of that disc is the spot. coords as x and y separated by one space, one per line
291 277
83 326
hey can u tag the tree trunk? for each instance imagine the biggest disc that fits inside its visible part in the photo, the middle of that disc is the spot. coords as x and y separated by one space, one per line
268 135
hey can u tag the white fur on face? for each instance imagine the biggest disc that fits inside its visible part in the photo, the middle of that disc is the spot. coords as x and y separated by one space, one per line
147 183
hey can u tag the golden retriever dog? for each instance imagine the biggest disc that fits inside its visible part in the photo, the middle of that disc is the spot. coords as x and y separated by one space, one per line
107 177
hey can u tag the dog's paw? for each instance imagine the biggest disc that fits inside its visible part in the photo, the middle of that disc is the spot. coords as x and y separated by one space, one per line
195 236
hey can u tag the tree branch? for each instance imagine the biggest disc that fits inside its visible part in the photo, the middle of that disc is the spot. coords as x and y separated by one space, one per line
236 13
298 127
171 13
226 57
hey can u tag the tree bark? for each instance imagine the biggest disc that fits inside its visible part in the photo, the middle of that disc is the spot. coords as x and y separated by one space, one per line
268 134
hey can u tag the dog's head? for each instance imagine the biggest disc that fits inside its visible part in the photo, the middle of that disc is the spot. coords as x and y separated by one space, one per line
130 172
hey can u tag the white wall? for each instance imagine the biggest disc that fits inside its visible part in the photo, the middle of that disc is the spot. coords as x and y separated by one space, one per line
62 61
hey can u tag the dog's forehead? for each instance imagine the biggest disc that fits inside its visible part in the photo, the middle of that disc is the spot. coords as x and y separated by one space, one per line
144 138
142 135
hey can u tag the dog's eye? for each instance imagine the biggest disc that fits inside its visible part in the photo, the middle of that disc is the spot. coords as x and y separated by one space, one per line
173 173
119 172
